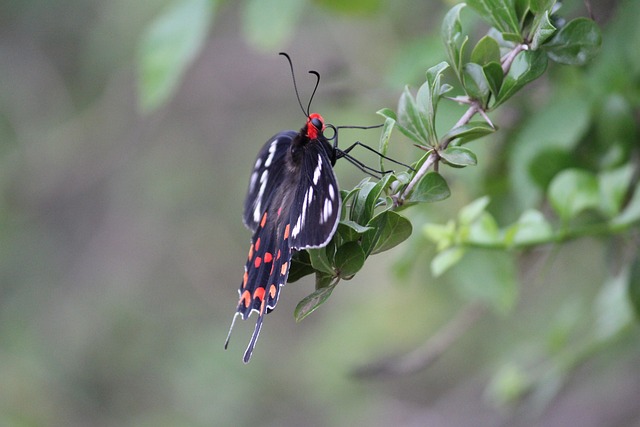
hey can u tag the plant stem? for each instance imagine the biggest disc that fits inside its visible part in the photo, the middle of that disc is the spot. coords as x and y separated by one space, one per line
473 109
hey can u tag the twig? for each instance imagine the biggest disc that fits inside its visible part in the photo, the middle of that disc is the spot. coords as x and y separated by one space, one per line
473 109
431 350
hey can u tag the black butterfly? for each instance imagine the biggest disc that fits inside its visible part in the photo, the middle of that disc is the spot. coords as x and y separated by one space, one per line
293 203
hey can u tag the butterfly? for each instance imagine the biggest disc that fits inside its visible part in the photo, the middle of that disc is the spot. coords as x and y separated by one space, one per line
293 203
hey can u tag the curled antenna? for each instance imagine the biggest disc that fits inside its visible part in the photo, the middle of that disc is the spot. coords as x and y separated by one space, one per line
295 86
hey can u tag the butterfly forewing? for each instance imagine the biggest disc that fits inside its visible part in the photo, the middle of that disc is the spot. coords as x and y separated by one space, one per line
266 177
317 199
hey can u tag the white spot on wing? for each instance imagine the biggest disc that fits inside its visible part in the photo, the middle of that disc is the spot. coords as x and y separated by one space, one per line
272 152
263 185
327 210
332 192
316 172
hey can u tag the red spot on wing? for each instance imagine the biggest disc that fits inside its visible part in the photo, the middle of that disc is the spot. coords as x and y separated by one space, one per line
286 231
257 262
268 257
272 291
259 294
284 268
250 257
245 279
258 244
264 220
278 255
245 299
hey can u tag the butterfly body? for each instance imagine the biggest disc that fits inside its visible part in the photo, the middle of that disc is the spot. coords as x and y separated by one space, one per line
293 203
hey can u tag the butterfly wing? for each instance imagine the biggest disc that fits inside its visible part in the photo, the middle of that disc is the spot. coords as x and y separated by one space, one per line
316 207
266 177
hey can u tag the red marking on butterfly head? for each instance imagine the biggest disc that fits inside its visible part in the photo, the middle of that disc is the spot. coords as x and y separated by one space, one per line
315 125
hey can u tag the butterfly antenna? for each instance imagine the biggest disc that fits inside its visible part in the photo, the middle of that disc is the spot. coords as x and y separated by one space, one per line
295 86
315 73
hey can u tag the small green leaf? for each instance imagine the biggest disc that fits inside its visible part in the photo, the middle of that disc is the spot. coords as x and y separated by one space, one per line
494 75
446 259
469 132
311 303
473 210
350 230
350 258
167 48
543 29
532 228
483 231
409 121
631 213
475 83
453 39
320 260
614 185
499 13
393 229
281 15
539 6
486 50
427 99
383 146
573 191
459 156
431 188
528 66
368 198
442 235
576 43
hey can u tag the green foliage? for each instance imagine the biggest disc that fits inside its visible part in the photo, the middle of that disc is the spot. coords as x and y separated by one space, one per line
168 46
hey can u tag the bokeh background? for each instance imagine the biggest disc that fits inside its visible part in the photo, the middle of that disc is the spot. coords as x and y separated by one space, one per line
122 244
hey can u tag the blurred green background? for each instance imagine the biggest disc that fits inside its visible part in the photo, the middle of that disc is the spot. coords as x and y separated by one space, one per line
122 244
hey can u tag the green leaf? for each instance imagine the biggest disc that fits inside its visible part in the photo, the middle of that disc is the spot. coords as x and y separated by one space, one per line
473 210
453 39
528 66
300 266
494 75
281 16
350 258
459 156
367 199
409 120
483 231
499 13
576 43
542 30
310 303
475 83
350 230
539 6
573 191
532 228
383 146
446 259
486 50
393 229
352 7
431 188
443 235
488 276
469 132
167 48
631 213
427 99
320 261
614 185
